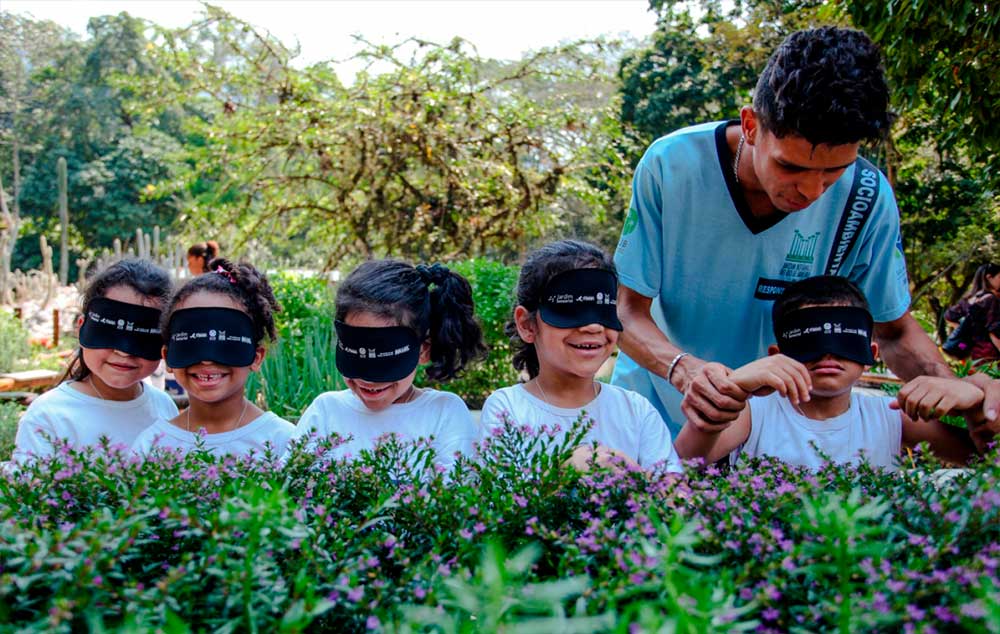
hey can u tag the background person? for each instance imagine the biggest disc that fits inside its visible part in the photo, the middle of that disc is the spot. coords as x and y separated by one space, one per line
982 302
200 254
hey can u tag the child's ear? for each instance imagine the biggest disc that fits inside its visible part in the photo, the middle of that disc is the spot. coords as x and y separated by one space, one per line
525 323
773 350
874 351
425 352
163 355
258 358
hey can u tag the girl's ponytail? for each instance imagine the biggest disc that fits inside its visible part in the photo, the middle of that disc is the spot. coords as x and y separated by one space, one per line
456 337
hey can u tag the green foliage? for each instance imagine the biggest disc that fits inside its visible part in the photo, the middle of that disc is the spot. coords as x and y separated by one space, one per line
297 370
943 57
14 347
301 364
704 60
440 154
493 291
10 414
63 105
99 540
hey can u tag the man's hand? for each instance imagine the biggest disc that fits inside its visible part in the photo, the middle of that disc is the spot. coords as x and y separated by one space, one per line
929 397
776 373
711 398
990 413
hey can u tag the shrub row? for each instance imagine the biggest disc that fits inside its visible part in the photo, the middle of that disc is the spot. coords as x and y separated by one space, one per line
515 541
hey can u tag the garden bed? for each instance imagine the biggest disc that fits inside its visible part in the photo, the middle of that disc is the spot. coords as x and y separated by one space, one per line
515 542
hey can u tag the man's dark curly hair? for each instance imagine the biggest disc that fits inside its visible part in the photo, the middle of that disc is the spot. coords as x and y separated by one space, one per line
826 85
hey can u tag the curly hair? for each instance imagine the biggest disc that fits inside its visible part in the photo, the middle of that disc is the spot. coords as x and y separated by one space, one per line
433 301
541 266
826 85
242 282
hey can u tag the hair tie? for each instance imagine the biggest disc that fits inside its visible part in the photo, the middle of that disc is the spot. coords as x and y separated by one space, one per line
435 274
223 272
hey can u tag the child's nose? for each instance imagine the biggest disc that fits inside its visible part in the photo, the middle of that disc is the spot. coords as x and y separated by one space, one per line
595 327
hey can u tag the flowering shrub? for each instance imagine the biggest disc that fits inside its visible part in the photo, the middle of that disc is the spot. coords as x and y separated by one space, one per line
517 541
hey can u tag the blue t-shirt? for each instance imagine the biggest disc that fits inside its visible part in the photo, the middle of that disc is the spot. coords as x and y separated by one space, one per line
713 269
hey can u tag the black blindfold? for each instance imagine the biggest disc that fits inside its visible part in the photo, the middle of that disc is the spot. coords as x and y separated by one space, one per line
807 334
379 355
127 327
581 297
222 335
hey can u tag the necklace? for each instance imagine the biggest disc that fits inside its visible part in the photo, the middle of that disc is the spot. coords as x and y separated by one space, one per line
100 395
239 421
736 161
90 379
545 398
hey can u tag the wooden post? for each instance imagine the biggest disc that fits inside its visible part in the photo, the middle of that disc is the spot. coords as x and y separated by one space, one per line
55 327
19 313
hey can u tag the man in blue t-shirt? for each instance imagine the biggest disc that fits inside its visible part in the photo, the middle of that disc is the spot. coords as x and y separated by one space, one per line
725 215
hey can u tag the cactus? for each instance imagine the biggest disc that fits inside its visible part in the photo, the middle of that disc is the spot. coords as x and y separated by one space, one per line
47 276
156 241
63 223
117 244
11 222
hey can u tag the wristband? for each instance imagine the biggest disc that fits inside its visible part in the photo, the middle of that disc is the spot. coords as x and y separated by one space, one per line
673 364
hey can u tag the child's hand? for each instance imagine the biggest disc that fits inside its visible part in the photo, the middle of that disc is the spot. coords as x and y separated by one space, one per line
931 397
603 456
776 373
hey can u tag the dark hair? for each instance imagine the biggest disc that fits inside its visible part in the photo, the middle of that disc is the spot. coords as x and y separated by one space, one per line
979 280
431 300
539 267
820 290
826 85
207 251
240 281
142 276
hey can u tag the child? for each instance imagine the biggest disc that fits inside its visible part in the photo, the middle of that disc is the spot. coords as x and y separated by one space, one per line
390 318
824 331
565 327
214 329
120 345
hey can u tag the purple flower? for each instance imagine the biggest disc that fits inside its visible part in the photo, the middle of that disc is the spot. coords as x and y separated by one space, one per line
356 594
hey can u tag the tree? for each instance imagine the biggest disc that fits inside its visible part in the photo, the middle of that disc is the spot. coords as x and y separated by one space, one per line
439 154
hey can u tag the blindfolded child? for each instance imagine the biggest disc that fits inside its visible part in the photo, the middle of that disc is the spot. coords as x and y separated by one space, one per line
214 329
565 327
390 318
103 394
805 407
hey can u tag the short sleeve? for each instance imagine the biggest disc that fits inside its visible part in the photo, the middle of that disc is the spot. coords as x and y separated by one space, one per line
495 409
30 441
457 432
957 312
639 255
312 420
144 442
655 442
880 268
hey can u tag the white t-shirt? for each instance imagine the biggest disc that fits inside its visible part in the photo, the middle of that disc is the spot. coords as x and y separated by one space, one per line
64 412
441 415
868 426
267 430
623 420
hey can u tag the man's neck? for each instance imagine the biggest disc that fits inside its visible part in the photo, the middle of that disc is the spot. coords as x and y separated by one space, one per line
825 407
757 199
